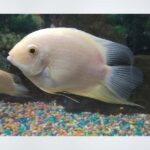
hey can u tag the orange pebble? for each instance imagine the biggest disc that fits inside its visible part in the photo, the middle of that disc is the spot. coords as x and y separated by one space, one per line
93 134
121 132
1 131
27 133
11 121
7 126
100 127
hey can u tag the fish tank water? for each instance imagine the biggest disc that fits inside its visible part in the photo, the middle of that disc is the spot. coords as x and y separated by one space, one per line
44 114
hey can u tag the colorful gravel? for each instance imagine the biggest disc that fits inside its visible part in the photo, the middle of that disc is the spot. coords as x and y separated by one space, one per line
51 119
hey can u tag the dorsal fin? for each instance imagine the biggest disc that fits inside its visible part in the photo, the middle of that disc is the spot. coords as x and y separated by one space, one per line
115 53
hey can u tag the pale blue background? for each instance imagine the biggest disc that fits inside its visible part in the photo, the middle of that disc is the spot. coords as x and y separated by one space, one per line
75 6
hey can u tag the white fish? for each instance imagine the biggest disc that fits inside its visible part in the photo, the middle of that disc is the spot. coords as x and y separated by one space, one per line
11 84
72 61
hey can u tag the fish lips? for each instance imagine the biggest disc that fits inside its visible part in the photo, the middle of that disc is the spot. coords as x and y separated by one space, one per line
10 59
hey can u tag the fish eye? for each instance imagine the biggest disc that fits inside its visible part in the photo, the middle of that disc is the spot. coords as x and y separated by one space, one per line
33 50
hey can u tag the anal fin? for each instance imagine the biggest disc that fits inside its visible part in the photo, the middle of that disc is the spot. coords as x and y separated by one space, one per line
102 93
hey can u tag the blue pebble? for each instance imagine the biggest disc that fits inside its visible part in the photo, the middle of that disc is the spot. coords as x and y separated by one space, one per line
23 120
27 127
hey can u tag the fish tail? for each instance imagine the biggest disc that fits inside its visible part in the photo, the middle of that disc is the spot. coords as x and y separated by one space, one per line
120 81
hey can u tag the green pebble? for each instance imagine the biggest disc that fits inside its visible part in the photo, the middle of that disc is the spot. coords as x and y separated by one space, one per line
138 123
106 121
89 133
125 126
82 122
7 131
40 134
100 132
137 132
22 130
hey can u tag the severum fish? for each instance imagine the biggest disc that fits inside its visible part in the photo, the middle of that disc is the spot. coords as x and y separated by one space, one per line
72 61
11 84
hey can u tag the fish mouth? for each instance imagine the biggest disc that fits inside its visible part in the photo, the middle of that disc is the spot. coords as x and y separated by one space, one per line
10 59
13 62
20 66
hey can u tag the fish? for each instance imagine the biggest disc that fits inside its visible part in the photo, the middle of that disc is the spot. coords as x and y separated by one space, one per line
68 60
11 84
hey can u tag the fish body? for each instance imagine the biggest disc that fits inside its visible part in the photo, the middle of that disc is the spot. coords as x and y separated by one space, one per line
73 61
11 84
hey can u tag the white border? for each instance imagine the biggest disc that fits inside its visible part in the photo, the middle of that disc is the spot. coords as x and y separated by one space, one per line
74 143
75 6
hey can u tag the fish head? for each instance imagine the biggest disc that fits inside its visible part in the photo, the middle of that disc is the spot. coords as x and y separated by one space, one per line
29 56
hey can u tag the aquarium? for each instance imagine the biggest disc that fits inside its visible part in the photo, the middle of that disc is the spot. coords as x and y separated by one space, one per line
37 105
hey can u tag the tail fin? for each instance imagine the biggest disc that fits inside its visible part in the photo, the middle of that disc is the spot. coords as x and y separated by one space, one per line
122 80
117 86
